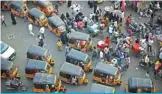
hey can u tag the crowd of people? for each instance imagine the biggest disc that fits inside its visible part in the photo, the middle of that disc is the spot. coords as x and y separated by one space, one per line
113 23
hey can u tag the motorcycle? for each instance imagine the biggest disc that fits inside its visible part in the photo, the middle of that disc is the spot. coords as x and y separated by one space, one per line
15 84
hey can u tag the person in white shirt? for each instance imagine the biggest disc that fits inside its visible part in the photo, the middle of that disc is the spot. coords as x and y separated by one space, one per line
3 20
101 55
42 30
73 80
110 30
30 28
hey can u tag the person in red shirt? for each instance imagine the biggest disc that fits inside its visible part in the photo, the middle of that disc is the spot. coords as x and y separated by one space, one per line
128 21
136 46
107 41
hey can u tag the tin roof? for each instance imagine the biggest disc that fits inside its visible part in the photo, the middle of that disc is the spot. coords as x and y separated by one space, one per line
56 20
101 88
44 3
136 82
36 50
17 3
36 12
36 64
77 55
44 78
5 64
79 36
106 68
71 69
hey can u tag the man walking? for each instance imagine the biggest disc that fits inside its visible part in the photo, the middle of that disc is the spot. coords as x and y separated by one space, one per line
41 43
42 30
3 21
30 28
25 17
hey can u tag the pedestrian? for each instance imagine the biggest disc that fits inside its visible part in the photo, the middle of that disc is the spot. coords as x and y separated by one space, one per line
67 49
101 55
63 18
25 15
13 18
69 3
149 46
127 59
41 43
30 28
59 45
67 15
85 19
147 62
63 37
74 80
110 31
3 21
152 18
128 20
95 7
115 25
42 30
122 17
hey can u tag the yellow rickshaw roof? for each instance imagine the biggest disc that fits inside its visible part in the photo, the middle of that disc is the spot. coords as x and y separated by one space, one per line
37 50
56 20
79 36
136 82
36 12
36 64
106 68
78 55
17 3
101 88
71 69
44 78
5 64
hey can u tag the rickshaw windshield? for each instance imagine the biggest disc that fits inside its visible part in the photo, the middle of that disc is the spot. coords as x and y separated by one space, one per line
48 68
42 17
62 28
82 73
87 60
12 69
117 74
47 55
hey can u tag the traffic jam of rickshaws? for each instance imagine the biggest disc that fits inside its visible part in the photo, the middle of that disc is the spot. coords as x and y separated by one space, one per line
80 54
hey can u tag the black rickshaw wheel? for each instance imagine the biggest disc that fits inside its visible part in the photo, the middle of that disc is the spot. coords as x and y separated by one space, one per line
23 88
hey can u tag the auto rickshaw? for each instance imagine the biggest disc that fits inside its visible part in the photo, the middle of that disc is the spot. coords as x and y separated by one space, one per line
45 6
39 53
96 88
76 57
44 82
5 5
37 66
56 25
136 85
68 70
37 17
18 8
8 69
106 74
79 40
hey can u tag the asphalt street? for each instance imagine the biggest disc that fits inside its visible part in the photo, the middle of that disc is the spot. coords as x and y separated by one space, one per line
22 40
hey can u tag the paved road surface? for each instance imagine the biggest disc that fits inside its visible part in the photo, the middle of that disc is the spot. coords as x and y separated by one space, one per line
23 40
